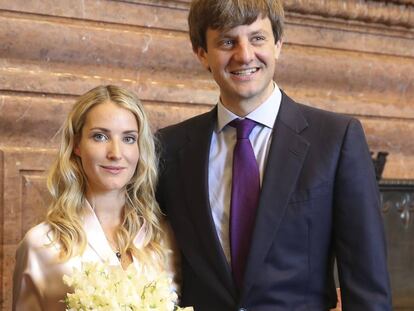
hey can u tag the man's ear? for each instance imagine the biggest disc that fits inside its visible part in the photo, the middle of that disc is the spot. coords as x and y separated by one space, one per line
202 57
278 48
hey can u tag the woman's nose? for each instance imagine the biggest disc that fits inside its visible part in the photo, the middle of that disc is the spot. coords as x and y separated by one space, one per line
114 151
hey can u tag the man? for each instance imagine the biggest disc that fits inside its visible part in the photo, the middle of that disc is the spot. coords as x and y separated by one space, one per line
263 235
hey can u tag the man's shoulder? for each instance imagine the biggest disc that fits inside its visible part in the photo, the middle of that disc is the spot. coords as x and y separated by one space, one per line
318 123
325 127
311 112
325 118
181 127
173 137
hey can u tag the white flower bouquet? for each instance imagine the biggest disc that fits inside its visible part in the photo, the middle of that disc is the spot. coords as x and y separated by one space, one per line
101 287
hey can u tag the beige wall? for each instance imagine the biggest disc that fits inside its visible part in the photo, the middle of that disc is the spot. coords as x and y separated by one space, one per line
352 57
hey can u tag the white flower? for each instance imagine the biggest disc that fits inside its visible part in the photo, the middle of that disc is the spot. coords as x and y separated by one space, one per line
101 287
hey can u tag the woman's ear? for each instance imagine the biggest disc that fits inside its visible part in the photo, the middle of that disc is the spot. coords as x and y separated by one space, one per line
76 150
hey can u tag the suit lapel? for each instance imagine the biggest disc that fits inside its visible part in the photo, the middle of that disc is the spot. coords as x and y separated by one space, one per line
194 159
286 155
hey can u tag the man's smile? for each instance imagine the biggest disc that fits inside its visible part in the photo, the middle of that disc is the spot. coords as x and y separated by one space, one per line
245 72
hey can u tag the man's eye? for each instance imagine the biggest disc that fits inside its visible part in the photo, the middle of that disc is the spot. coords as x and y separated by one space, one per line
100 137
130 139
258 39
227 43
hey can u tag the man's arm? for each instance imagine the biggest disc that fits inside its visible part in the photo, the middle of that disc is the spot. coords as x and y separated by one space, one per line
358 228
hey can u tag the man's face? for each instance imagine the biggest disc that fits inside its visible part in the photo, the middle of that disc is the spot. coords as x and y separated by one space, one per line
242 61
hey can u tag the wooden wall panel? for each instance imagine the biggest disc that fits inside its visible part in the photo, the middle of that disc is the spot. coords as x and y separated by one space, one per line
24 201
157 14
26 118
354 57
86 42
31 111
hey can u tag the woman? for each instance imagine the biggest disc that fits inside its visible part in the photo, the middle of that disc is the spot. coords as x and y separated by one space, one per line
103 209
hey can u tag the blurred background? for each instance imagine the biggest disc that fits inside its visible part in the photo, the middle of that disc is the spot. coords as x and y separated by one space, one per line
354 57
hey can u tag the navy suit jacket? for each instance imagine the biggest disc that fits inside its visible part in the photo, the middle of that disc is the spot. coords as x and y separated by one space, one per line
319 201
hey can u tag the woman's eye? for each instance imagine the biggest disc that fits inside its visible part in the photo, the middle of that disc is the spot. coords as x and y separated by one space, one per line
100 137
130 139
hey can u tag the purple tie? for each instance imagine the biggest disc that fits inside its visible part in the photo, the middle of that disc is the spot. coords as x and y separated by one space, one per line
244 197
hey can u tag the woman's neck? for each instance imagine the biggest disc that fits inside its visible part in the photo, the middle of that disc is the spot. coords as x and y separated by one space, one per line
108 208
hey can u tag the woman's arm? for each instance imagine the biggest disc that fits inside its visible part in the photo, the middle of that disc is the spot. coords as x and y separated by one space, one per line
26 295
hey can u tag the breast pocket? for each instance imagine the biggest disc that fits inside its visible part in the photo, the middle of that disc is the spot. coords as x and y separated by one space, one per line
320 191
311 204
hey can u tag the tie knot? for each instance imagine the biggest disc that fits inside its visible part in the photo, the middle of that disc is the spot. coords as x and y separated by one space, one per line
243 127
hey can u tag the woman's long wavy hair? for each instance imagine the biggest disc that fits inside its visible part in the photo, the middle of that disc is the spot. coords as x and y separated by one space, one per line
67 183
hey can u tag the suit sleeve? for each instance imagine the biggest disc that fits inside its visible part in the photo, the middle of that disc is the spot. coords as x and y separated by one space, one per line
173 259
160 149
26 294
358 228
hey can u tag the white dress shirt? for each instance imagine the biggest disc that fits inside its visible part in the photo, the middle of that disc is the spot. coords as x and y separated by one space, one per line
223 141
38 274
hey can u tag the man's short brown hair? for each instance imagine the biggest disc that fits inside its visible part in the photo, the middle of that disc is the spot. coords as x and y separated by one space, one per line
226 14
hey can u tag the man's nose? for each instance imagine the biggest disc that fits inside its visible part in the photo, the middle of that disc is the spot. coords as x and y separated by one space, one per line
244 52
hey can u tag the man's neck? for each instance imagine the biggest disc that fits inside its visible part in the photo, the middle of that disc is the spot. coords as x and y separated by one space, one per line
243 106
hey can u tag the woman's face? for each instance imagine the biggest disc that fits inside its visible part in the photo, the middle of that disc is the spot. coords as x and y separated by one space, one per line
108 148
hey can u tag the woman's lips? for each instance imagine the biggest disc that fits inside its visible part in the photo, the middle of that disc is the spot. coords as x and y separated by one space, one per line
113 169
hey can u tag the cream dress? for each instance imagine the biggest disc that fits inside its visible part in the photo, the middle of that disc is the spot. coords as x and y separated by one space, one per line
37 280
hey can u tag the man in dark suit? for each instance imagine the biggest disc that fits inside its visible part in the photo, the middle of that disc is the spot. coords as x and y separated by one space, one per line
264 236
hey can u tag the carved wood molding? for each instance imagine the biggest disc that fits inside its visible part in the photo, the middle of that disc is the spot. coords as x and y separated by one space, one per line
393 13
388 12
397 1
177 4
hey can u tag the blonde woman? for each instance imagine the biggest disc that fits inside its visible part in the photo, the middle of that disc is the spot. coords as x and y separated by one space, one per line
103 209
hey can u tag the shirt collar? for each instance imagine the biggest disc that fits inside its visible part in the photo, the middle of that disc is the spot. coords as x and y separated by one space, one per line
265 114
